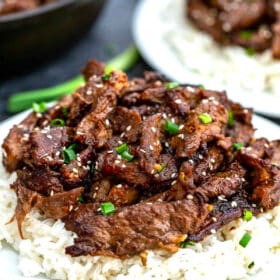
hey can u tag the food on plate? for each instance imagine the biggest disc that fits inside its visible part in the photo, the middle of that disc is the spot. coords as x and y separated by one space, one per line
254 25
131 167
15 6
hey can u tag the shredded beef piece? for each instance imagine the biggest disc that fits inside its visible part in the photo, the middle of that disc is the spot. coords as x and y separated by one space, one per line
249 24
166 183
153 225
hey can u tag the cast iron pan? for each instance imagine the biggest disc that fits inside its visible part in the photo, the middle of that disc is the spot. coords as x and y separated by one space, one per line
33 36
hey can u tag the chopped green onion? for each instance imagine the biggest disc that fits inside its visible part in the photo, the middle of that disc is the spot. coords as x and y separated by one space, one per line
171 127
122 148
69 154
64 111
106 77
39 107
201 87
245 34
186 243
247 215
250 51
205 118
80 199
127 156
107 208
57 122
244 241
237 146
251 265
171 85
230 118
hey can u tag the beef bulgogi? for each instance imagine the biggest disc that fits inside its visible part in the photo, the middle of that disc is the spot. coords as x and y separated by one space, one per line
254 25
141 164
15 6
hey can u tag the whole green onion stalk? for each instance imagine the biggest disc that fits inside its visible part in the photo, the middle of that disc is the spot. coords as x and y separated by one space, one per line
23 100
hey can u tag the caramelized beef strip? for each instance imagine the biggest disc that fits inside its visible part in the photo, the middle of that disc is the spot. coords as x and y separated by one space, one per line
78 170
93 130
150 146
276 39
205 19
224 211
16 144
149 225
236 14
195 132
126 122
265 180
225 183
47 145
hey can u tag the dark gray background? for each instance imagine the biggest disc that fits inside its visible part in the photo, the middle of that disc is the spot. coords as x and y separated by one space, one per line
110 35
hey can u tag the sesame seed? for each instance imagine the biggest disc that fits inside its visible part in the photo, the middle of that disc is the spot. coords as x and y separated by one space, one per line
99 85
181 136
107 122
128 128
212 160
123 165
157 175
191 161
214 219
173 182
51 193
203 173
204 101
266 145
213 231
75 170
79 133
178 101
222 198
200 156
94 196
71 208
142 150
117 161
151 147
122 135
49 136
57 153
110 152
190 89
173 175
153 129
119 186
189 196
120 142
38 115
79 164
233 204
149 203
181 126
166 144
254 205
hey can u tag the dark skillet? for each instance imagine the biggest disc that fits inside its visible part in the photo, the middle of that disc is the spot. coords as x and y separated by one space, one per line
29 37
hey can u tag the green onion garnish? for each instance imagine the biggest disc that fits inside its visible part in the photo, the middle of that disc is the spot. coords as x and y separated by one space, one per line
106 77
107 208
244 241
245 34
171 127
186 243
230 118
247 215
250 51
127 156
122 148
69 154
39 107
201 87
237 146
251 265
205 118
171 85
80 199
57 122
64 111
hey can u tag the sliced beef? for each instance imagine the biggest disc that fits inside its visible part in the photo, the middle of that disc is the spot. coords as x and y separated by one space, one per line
153 225
16 144
48 144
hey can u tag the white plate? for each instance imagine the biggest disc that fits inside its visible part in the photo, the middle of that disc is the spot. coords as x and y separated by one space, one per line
9 258
149 32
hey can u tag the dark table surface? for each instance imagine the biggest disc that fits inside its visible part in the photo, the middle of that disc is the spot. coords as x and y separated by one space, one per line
110 35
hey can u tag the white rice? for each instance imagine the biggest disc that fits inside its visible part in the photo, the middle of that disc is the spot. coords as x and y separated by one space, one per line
198 53
219 256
